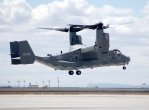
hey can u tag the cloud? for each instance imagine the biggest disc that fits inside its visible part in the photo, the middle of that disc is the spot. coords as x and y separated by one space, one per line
62 12
145 11
59 13
109 10
14 12
73 11
18 21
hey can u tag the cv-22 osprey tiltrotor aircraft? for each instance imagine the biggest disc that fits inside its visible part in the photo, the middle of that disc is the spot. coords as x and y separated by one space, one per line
97 55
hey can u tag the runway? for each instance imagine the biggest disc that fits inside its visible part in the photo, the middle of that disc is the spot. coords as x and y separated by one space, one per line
74 102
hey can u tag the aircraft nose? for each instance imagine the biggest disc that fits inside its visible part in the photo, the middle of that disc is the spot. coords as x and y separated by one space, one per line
128 59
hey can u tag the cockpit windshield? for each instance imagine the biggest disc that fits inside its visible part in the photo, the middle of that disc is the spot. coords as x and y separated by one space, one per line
117 52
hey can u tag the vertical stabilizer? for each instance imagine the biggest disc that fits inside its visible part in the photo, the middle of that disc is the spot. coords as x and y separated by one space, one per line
21 53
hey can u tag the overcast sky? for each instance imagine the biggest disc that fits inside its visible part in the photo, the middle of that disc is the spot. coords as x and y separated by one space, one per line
20 18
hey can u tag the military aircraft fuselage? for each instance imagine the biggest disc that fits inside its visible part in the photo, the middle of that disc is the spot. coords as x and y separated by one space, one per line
89 57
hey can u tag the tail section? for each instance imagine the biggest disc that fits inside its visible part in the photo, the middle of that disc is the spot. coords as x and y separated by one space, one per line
21 53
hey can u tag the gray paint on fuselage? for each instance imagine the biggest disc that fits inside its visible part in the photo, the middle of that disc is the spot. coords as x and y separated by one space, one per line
83 58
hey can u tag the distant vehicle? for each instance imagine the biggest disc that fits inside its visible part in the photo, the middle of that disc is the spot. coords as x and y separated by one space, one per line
97 55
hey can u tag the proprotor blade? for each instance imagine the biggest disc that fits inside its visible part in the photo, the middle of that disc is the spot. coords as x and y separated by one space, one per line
56 29
126 23
116 25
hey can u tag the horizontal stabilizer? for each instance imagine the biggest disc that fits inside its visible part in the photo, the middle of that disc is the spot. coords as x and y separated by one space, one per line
15 61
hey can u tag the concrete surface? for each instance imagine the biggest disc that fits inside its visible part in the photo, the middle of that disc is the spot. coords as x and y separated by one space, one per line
74 102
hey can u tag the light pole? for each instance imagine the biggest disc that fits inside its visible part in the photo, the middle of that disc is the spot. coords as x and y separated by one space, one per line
18 83
36 83
43 83
24 83
49 83
9 83
58 81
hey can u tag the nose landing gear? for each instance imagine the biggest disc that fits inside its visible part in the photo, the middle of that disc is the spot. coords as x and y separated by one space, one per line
124 67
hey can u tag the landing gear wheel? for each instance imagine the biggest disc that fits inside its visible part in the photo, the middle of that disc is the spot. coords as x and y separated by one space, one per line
124 67
78 72
71 72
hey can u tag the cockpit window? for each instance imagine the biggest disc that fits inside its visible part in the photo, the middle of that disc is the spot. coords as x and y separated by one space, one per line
116 52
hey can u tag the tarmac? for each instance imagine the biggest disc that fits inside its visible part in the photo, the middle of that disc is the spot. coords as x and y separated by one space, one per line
74 102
